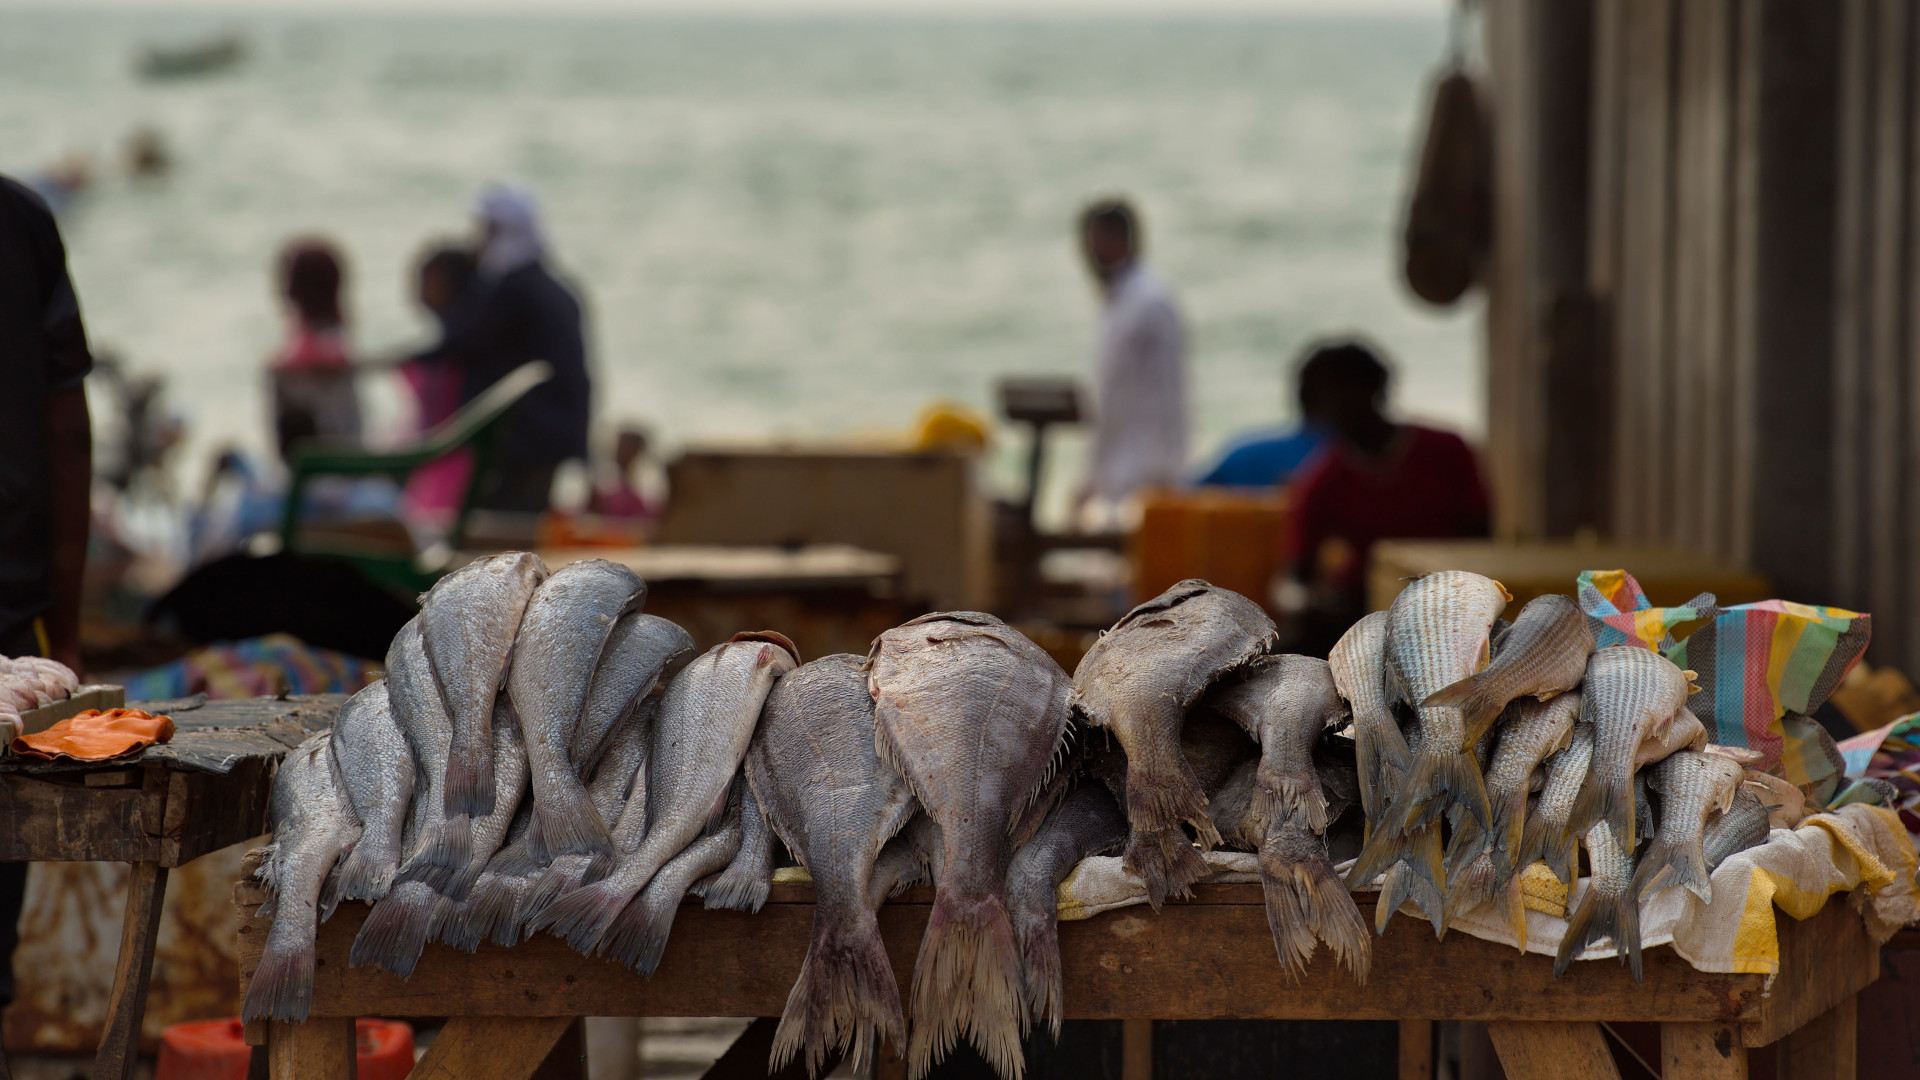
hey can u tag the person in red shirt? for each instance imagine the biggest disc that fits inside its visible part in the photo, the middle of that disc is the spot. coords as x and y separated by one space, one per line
1376 480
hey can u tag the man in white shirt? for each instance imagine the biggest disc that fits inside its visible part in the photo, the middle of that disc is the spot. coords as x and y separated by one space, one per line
1140 392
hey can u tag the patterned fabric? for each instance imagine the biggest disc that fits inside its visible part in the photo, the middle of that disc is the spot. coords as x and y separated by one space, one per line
255 667
1623 616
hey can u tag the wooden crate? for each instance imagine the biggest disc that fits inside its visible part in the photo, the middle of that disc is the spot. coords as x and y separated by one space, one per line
1668 575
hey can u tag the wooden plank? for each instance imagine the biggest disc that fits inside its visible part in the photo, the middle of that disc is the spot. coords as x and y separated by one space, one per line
1416 1050
1825 1048
92 696
207 811
139 930
1549 1051
568 1058
1191 961
321 1049
491 1047
46 820
1702 1052
1824 960
1136 1050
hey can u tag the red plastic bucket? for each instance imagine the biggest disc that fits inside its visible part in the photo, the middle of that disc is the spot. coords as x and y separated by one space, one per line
217 1050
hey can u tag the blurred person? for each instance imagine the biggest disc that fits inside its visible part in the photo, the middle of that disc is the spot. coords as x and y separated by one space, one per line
1140 394
622 499
436 378
1270 458
520 312
1376 480
46 467
314 396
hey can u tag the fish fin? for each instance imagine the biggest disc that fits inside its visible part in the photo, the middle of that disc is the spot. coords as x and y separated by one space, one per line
638 935
493 910
1306 904
739 887
1043 989
1476 699
469 780
1592 920
844 1000
282 984
1292 795
1165 862
456 927
1509 832
1511 901
1540 843
1405 882
561 878
396 929
1469 840
966 980
1666 865
366 873
567 824
1597 802
1471 887
1626 920
582 916
442 851
330 893
1384 848
1156 802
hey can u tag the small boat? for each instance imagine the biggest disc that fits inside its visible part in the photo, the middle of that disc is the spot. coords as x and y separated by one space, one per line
192 58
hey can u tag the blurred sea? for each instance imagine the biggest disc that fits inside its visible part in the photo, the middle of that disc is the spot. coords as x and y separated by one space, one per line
781 227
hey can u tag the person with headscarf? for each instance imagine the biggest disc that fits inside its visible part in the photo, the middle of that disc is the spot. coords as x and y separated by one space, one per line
516 311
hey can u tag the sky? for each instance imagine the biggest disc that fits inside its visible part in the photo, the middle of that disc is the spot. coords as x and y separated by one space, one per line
758 7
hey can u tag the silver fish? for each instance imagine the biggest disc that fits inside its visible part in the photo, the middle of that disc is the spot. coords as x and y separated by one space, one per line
642 656
706 719
1544 653
748 879
1139 680
1547 836
1743 826
489 830
1286 703
1358 665
1630 695
815 770
1087 822
1608 908
910 858
312 823
638 936
376 766
438 845
561 639
972 714
1532 732
1692 787
1685 733
1417 872
468 621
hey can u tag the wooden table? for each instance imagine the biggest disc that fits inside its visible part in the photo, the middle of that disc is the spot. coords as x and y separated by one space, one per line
205 790
1210 958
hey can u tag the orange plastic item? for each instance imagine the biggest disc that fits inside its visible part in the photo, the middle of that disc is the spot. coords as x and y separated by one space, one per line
216 1050
1231 538
96 736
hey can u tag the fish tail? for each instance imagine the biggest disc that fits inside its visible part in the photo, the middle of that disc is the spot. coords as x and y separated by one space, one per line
638 935
1383 850
469 784
444 849
493 910
1292 795
1513 908
583 915
1165 862
1666 865
1470 888
1043 990
565 823
1402 883
1465 847
282 986
1509 832
1477 699
457 927
1626 918
562 877
1540 842
367 871
1602 801
967 980
1160 802
1307 904
1592 920
396 929
844 999
330 893
742 886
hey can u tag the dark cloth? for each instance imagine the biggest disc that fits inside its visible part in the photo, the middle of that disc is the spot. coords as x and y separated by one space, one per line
17 639
524 315
43 348
517 487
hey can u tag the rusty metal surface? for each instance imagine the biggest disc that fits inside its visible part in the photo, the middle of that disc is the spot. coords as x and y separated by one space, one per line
70 942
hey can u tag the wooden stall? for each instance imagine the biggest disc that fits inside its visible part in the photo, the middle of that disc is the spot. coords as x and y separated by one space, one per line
1208 958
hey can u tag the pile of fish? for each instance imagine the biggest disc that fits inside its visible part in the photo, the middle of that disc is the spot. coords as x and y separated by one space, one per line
543 757
1485 747
28 682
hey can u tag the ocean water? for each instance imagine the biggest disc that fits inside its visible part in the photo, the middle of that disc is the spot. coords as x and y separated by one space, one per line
780 227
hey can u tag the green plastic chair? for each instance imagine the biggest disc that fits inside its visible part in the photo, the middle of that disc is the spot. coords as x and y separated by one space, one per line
476 425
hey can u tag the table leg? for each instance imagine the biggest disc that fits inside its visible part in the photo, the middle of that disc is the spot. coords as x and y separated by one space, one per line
1702 1051
1416 1050
1548 1050
1136 1050
1824 1048
491 1047
120 1044
323 1049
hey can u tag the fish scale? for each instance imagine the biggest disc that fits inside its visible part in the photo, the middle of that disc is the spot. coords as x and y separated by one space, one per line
1629 694
1692 787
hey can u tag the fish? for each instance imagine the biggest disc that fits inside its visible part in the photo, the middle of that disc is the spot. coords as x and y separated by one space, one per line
1357 663
376 770
489 831
468 622
562 635
1088 822
1692 787
1630 694
1608 908
1743 825
439 844
817 774
1229 803
1417 872
313 822
1138 681
1546 836
705 721
1789 802
642 656
639 934
910 858
1307 903
745 883
1542 654
972 714
1685 733
487 912
1533 731
1286 703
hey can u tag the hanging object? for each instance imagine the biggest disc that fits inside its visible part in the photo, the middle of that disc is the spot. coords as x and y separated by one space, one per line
1450 222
